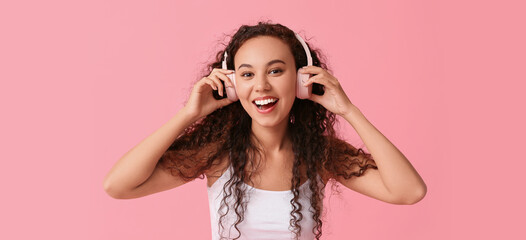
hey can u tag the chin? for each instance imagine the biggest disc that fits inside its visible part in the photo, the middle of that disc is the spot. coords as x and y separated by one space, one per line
268 122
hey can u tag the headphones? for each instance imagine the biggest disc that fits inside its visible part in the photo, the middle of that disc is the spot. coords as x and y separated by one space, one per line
302 92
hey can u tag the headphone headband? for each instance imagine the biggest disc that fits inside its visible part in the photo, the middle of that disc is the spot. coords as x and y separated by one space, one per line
224 60
305 47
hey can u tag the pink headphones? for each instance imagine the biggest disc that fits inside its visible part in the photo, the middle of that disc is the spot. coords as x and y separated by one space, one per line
302 92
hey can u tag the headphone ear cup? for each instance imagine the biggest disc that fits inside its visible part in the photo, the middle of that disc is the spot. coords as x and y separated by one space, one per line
231 91
303 92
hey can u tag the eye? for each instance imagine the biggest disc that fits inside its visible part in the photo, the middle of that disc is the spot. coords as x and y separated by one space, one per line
245 74
249 74
276 70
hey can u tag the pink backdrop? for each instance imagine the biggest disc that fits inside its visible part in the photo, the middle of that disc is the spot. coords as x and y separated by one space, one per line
82 83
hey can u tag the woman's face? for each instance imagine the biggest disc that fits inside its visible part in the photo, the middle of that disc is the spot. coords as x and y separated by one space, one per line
265 79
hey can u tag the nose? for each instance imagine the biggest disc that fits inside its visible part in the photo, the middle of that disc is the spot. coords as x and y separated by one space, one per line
262 83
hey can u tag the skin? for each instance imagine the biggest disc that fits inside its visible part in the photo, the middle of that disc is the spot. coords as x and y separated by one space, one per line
256 78
395 181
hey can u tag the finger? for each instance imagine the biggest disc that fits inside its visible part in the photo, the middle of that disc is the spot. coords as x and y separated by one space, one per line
226 79
224 71
199 85
218 84
316 79
311 69
211 83
316 70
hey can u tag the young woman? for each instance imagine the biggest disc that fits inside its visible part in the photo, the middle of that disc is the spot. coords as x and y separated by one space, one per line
268 155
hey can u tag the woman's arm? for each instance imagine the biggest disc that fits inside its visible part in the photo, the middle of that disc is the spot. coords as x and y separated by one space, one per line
137 165
399 178
395 181
137 174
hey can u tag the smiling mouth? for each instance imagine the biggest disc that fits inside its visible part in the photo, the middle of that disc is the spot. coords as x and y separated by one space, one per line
265 104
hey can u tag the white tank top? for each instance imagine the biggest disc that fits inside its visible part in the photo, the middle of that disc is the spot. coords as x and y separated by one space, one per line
267 214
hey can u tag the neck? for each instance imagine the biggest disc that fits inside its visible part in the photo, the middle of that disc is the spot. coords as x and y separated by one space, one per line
272 139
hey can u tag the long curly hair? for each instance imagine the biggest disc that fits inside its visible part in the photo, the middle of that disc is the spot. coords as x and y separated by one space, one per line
225 135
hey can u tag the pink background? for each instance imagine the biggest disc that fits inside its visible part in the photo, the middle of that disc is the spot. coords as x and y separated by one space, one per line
83 82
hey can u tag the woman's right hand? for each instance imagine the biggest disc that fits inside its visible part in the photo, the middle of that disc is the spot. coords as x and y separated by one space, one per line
201 101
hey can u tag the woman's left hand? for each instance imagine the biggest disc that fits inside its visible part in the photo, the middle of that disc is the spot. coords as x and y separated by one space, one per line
334 99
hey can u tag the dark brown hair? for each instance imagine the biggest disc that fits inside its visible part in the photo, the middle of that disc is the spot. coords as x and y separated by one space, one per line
225 134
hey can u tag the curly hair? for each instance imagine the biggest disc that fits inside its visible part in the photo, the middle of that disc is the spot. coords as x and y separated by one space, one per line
225 134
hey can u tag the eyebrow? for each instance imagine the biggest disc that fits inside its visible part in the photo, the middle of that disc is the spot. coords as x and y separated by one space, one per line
268 64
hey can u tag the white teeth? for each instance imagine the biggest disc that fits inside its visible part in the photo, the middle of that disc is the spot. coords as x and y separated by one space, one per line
266 101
